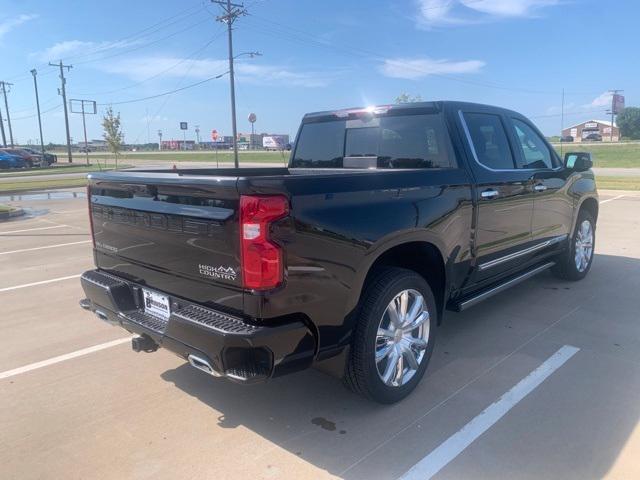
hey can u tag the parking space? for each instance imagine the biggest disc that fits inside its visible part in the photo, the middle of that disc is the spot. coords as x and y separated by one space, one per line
541 381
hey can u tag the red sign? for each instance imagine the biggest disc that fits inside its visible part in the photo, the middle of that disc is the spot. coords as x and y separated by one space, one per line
214 135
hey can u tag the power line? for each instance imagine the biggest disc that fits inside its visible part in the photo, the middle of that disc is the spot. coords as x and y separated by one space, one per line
140 47
156 75
164 93
168 97
52 109
576 112
293 34
141 33
121 42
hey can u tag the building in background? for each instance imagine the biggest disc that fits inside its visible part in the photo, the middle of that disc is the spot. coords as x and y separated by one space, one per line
592 131
178 145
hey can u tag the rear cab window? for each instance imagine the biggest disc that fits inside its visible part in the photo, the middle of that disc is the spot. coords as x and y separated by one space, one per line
384 142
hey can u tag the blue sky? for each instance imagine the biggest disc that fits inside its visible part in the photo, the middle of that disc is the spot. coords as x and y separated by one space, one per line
518 54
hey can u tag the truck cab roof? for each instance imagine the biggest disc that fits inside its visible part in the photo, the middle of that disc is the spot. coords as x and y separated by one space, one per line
404 108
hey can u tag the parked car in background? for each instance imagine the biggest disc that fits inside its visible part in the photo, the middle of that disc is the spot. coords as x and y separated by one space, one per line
385 218
10 161
593 137
567 139
30 159
49 158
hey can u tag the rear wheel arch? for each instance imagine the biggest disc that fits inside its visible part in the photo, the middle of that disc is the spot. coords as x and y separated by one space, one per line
422 257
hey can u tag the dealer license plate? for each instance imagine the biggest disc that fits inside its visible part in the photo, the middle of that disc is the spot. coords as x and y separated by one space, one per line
156 304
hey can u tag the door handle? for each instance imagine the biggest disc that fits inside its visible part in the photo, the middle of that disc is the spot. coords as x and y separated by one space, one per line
489 194
540 187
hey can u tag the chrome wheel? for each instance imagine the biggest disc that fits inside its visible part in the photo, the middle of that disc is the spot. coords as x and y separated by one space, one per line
584 246
402 338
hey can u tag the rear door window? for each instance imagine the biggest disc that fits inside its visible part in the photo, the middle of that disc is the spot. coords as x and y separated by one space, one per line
489 140
415 141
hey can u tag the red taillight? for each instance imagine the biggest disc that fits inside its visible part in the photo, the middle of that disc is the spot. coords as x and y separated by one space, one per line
262 266
93 238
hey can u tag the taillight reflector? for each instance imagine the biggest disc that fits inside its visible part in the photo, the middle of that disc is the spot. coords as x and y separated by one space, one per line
262 265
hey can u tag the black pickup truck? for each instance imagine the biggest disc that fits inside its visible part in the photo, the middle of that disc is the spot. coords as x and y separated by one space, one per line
385 218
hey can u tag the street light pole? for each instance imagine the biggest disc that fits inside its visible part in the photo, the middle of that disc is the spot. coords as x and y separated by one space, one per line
34 72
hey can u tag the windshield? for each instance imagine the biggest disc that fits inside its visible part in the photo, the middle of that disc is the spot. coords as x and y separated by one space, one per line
406 141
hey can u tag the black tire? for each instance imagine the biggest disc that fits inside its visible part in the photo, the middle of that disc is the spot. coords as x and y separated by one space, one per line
565 267
361 373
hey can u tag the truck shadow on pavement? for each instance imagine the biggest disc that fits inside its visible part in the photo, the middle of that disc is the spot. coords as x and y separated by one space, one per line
573 426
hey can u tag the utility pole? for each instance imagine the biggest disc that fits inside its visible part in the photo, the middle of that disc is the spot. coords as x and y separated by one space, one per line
4 86
159 140
562 123
198 136
34 72
63 92
84 111
614 94
4 138
231 12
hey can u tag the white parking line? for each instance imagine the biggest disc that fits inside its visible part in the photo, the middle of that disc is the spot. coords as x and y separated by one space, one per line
45 247
455 444
16 287
611 199
62 358
33 229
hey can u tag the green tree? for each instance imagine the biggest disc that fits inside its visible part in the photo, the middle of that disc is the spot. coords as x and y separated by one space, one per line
629 122
112 132
406 98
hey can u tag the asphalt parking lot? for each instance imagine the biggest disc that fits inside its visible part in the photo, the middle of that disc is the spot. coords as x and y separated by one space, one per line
541 381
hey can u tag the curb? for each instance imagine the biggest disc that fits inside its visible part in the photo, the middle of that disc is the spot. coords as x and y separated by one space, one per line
11 214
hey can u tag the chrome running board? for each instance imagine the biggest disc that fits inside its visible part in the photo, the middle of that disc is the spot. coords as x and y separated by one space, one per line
463 304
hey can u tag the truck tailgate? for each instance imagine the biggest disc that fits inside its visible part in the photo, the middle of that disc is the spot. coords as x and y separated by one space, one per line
173 233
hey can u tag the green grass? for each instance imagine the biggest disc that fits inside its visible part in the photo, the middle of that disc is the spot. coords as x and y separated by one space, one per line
608 155
618 183
5 208
30 185
60 170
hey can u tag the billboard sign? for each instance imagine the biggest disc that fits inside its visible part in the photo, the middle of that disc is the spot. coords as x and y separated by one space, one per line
618 103
183 126
273 141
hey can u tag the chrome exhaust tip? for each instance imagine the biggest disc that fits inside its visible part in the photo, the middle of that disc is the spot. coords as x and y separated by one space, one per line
202 364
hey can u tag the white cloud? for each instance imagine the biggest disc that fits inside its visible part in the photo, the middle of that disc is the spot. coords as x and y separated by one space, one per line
10 23
433 13
414 68
602 100
141 68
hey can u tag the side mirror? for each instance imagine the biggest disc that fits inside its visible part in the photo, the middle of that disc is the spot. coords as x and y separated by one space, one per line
578 161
